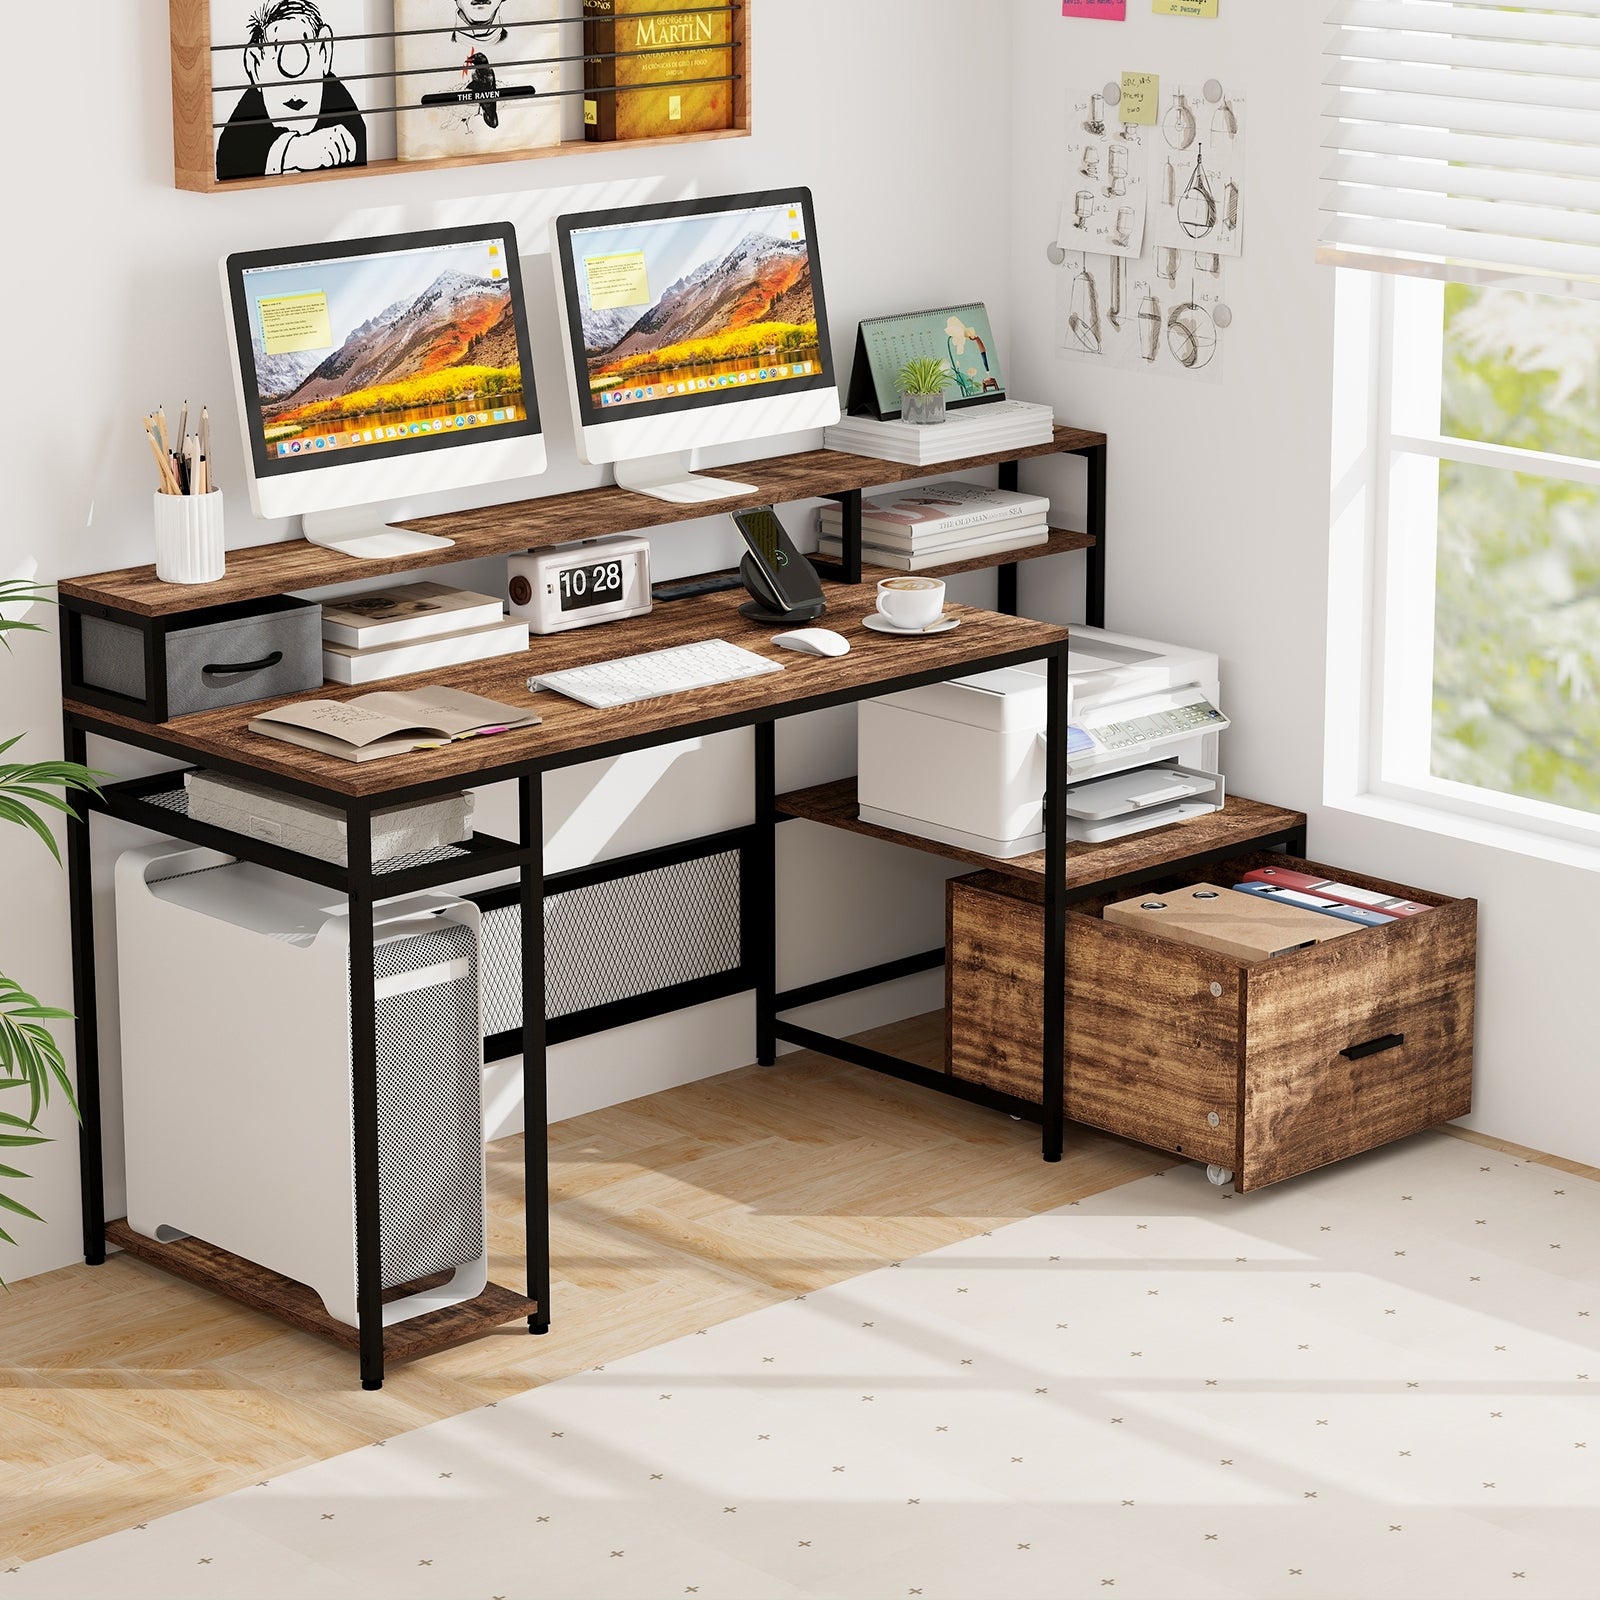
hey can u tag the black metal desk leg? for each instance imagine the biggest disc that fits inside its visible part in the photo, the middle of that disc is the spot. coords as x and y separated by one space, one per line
1094 608
1005 592
850 540
761 930
86 1013
535 1096
1055 903
364 1100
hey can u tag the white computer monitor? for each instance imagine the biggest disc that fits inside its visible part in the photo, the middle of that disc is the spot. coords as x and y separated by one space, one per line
693 323
369 371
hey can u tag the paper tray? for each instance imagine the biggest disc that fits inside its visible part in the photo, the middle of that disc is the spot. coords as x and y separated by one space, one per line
1107 808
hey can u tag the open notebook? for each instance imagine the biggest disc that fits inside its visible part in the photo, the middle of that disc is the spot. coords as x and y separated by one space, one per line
389 722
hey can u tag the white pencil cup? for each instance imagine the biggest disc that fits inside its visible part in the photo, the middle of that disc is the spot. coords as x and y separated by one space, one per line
189 547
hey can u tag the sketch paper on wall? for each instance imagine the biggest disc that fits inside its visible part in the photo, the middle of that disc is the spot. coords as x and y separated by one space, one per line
1155 313
299 85
1104 203
468 64
1197 179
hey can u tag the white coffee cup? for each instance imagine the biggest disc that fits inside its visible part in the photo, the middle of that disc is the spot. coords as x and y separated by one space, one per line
911 602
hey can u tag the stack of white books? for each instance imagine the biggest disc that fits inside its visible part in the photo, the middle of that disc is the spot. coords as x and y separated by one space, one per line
972 431
413 627
939 523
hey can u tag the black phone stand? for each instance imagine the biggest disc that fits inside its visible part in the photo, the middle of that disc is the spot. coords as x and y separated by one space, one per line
766 606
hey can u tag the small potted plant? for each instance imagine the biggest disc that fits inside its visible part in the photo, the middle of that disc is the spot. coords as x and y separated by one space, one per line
921 385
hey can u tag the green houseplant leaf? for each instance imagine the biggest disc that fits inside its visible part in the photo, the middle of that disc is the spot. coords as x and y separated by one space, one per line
925 375
31 1058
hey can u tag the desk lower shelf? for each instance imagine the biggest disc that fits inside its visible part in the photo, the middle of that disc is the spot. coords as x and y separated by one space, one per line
264 1290
1240 825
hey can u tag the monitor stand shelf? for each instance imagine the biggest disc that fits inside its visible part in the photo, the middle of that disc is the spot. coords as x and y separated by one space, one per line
258 572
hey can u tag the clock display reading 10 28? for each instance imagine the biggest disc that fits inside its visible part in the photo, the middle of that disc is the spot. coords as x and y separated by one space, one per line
590 585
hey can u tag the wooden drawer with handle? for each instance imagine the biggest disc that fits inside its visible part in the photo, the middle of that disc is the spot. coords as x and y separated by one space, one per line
1263 1068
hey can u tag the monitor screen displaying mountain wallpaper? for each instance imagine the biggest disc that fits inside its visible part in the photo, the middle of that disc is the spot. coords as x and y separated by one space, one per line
705 306
401 347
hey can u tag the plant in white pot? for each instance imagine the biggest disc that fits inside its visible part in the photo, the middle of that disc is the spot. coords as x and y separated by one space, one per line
30 1058
921 384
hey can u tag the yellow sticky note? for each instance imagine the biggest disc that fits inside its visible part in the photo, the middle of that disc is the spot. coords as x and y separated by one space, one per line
619 280
1184 8
291 322
1141 92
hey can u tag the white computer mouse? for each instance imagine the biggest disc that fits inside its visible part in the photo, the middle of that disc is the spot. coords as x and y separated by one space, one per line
814 642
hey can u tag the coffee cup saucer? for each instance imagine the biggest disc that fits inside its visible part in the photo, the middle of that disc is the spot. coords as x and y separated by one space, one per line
876 622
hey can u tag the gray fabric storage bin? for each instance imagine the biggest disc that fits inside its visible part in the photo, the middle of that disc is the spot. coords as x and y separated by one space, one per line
278 643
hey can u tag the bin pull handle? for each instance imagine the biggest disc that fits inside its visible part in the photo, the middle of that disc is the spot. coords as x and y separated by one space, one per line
1358 1052
247 666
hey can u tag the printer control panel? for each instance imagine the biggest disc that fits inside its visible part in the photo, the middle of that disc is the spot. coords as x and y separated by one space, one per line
1152 721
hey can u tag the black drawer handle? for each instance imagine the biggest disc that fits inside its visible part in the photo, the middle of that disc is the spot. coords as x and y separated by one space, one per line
249 666
1373 1047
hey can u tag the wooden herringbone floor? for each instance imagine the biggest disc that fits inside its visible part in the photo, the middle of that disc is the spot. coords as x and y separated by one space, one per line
131 1394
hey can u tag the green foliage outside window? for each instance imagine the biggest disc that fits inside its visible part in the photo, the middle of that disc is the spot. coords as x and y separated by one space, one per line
1516 673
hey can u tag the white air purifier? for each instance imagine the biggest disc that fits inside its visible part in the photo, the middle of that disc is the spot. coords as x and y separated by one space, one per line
236 1070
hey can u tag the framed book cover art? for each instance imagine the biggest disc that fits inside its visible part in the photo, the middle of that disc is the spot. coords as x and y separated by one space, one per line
475 76
654 68
959 336
300 86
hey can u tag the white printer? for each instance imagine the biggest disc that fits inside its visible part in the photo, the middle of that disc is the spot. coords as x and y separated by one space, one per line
963 762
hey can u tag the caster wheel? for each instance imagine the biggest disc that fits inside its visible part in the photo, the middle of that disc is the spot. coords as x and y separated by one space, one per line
1221 1176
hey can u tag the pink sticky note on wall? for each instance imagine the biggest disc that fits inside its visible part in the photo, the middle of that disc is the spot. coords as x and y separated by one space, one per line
1106 10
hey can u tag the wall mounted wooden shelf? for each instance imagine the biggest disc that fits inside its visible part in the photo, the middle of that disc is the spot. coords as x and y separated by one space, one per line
194 138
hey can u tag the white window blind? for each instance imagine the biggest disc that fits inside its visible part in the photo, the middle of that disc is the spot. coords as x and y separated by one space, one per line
1464 139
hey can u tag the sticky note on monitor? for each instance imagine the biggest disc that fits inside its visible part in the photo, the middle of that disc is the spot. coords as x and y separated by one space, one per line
617 280
1185 8
291 322
1141 91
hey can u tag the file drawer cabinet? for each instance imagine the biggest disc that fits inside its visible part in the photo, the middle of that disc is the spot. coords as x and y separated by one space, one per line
1267 1068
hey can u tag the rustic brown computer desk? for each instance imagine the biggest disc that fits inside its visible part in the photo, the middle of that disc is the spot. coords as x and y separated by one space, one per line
570 734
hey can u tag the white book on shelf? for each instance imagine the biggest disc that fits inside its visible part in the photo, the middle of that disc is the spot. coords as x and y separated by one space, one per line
940 444
943 506
916 561
916 541
406 611
345 664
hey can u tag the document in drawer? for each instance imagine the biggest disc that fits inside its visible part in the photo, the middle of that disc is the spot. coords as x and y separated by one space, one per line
1238 925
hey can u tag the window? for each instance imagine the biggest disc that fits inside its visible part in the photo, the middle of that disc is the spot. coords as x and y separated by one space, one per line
1486 571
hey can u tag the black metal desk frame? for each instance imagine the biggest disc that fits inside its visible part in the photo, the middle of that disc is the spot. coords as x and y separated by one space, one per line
364 883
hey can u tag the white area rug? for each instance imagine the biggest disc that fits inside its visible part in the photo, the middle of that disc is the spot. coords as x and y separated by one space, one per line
1380 1380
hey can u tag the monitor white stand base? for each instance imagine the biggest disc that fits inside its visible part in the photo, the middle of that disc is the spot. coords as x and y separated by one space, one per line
366 537
668 477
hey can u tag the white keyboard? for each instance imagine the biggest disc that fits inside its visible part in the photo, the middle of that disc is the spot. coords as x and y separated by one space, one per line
659 672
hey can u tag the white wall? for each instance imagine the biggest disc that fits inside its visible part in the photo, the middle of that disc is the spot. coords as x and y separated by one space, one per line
111 276
1219 507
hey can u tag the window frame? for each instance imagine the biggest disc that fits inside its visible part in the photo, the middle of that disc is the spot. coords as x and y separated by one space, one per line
1403 359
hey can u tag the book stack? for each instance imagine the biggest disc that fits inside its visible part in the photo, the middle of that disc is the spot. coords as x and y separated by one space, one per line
971 431
938 523
413 628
